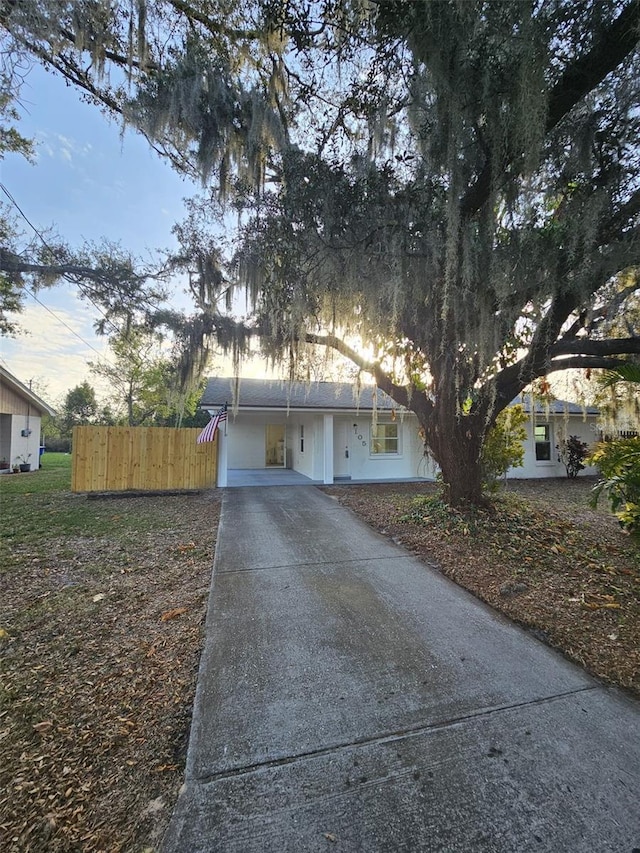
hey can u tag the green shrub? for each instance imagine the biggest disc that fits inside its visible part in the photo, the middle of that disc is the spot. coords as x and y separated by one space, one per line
58 444
619 465
503 447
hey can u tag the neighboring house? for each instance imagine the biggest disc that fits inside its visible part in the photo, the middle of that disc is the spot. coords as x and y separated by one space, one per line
20 421
329 432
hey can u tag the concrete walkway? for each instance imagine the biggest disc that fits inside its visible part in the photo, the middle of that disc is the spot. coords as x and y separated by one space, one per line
266 477
352 699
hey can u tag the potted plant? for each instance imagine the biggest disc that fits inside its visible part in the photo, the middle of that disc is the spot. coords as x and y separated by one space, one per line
23 463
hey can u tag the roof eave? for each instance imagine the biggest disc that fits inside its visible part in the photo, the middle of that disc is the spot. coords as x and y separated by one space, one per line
25 392
307 409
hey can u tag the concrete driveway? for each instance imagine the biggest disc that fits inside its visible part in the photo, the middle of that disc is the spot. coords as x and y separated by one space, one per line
351 698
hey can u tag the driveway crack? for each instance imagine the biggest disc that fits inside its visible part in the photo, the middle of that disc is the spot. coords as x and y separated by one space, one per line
385 737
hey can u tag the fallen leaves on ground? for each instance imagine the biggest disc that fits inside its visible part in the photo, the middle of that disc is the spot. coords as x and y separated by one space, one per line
97 690
541 555
173 613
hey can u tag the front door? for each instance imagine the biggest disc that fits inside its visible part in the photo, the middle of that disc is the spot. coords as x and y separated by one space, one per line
341 466
274 446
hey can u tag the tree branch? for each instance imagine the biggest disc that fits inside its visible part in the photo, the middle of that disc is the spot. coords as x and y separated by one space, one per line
340 346
585 363
75 75
610 229
587 346
578 79
112 56
13 264
215 26
582 353
537 359
616 43
416 401
612 308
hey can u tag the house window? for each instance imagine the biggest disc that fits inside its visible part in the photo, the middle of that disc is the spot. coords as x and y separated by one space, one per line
301 438
384 439
542 436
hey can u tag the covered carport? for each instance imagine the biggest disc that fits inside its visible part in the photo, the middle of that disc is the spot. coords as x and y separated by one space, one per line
267 477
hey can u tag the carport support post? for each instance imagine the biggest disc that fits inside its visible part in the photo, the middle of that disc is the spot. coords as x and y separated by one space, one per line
328 450
221 438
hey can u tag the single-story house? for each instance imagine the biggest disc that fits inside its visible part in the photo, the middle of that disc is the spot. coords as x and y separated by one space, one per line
21 414
328 432
547 427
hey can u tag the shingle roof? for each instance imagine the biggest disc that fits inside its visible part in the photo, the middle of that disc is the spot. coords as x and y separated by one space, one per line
279 394
556 407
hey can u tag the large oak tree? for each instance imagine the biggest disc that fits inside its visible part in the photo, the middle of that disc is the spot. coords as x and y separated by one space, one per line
451 187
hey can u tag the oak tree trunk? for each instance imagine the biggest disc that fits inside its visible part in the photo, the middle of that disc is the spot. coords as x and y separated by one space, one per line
456 445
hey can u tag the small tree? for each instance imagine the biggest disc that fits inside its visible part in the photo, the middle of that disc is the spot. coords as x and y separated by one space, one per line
80 408
143 373
503 447
572 452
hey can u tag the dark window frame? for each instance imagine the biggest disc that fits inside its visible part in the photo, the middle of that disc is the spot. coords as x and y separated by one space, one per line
542 445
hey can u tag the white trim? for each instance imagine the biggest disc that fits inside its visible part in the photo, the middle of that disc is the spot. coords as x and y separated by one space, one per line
395 454
19 388
327 468
222 458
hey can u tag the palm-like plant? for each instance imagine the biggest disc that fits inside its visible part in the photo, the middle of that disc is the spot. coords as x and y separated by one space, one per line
628 372
619 464
619 460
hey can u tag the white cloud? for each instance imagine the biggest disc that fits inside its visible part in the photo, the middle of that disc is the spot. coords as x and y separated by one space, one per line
57 146
55 350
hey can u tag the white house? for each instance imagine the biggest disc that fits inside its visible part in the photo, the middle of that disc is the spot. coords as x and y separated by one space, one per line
547 427
20 421
328 432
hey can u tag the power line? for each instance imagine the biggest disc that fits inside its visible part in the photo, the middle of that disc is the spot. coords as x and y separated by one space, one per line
48 247
78 284
33 296
66 325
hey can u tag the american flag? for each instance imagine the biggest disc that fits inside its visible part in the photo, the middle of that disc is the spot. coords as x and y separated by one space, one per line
209 432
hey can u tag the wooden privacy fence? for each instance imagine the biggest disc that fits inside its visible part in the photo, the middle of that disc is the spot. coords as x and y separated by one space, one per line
118 459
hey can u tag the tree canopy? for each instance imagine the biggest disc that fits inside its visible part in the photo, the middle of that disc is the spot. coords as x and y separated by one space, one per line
446 193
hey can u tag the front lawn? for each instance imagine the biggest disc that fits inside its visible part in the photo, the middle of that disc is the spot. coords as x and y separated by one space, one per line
101 610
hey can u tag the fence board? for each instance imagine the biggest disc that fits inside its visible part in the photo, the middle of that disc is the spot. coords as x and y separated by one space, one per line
118 459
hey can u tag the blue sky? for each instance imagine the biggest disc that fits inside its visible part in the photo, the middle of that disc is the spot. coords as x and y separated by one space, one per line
89 181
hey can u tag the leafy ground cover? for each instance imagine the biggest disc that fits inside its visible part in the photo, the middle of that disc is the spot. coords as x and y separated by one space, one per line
101 611
542 556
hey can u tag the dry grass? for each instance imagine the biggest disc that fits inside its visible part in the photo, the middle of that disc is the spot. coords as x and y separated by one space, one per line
542 556
99 653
